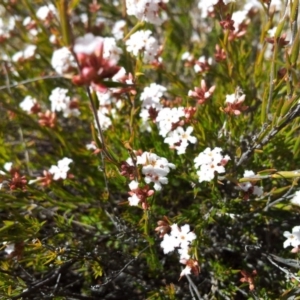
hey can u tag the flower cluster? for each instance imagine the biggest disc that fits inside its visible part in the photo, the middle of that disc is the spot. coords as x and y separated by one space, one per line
146 10
169 120
210 162
179 139
139 195
63 61
179 238
154 168
141 42
151 96
61 102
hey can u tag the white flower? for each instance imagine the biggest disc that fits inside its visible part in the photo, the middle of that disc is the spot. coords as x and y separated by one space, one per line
208 157
293 239
187 56
154 168
257 191
60 171
90 146
145 10
118 29
169 243
249 186
45 11
151 95
8 166
62 60
206 7
157 179
202 60
296 199
183 235
180 237
144 115
234 98
249 173
133 185
238 17
134 200
142 41
271 32
166 117
180 138
87 44
110 50
27 53
105 121
210 161
9 248
59 99
27 104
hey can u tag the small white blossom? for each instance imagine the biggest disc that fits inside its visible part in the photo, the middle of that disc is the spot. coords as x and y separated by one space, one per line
118 29
105 121
169 243
296 199
28 103
91 146
61 170
293 239
62 60
87 44
134 200
210 161
183 235
202 61
27 53
133 185
45 11
110 50
155 169
187 56
184 253
180 138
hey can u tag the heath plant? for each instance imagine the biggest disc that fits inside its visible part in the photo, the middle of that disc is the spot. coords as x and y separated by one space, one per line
149 149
